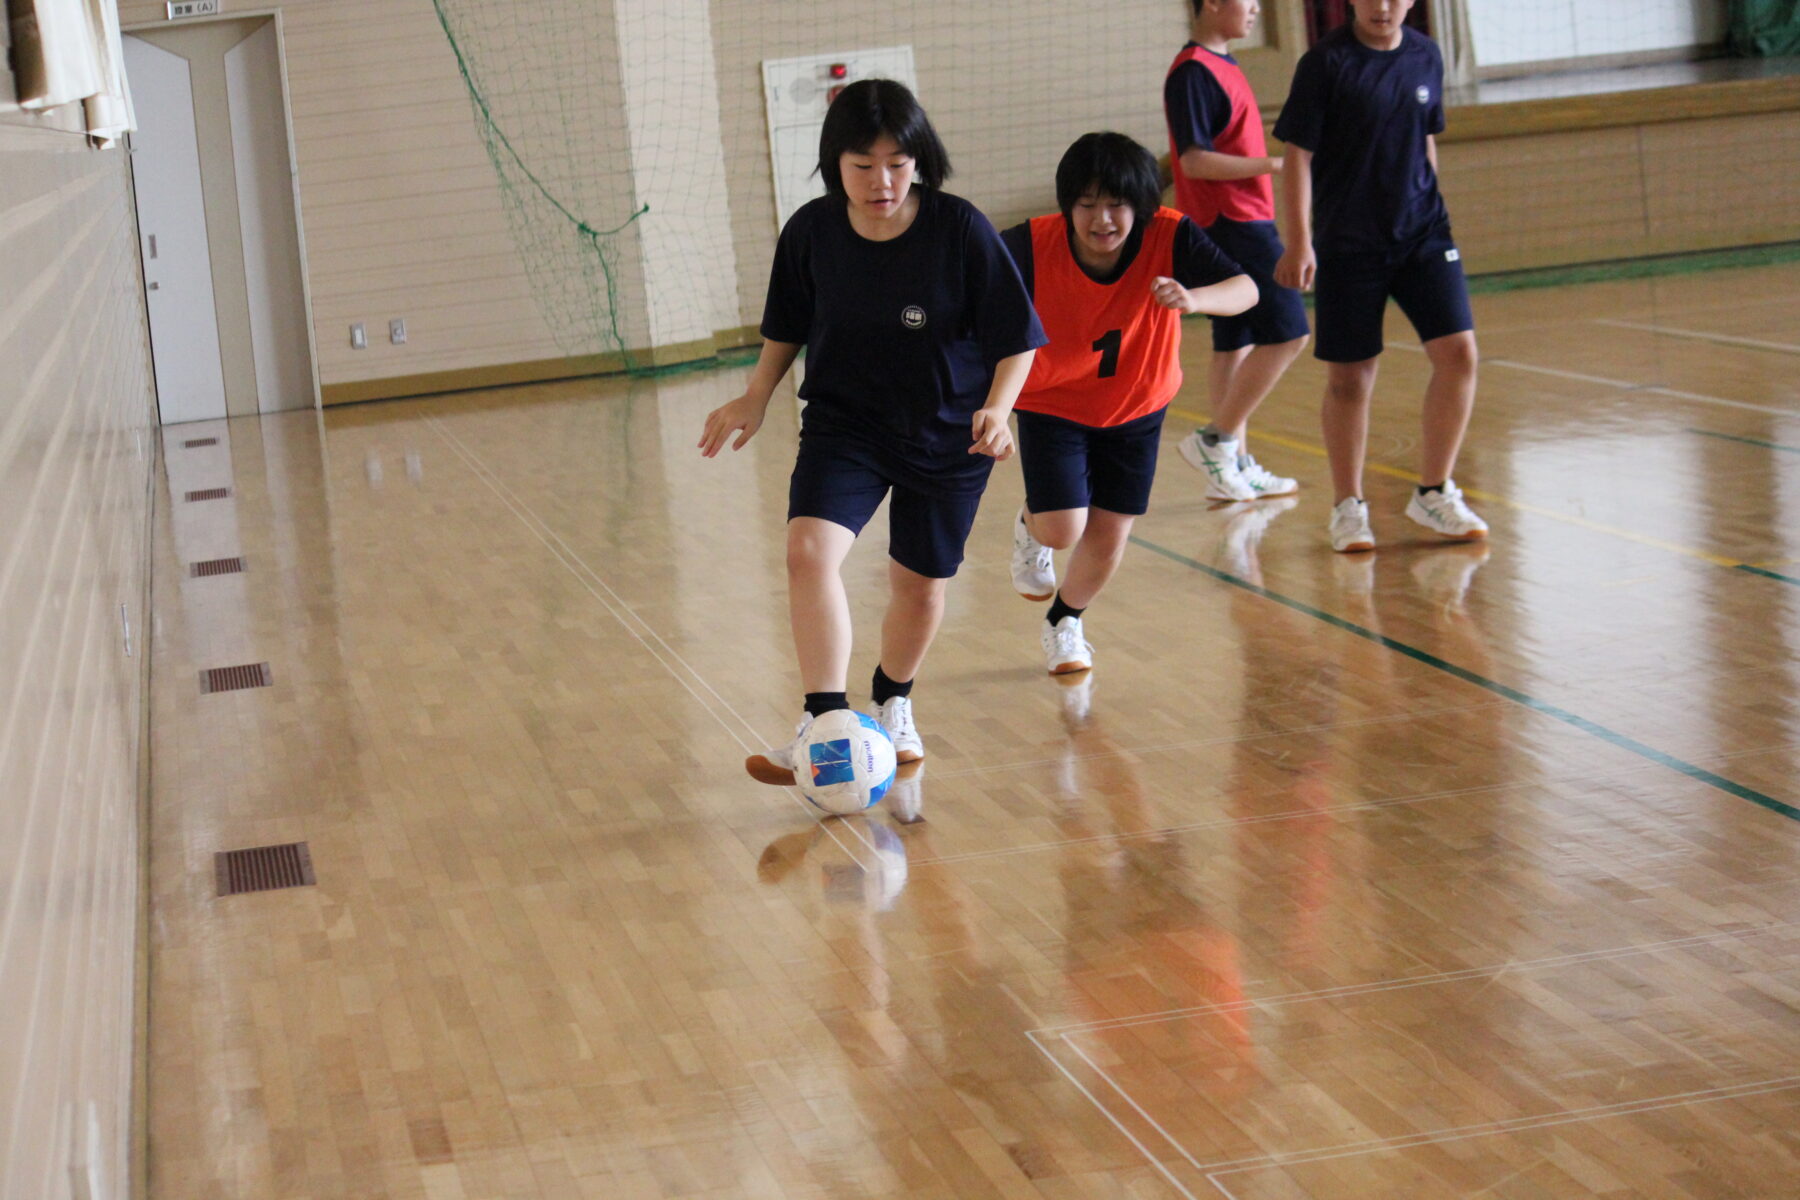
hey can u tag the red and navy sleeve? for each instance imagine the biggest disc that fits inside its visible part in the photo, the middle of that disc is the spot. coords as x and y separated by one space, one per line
1196 105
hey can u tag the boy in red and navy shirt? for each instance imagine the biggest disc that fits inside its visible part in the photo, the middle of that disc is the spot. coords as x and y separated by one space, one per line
1110 276
1222 175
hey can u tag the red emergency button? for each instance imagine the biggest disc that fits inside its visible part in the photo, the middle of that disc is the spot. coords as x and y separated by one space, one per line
840 71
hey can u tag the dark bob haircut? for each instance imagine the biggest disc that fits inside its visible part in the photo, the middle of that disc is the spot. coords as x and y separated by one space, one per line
1113 165
866 110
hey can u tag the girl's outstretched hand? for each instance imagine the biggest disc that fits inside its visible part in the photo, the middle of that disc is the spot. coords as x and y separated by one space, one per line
742 414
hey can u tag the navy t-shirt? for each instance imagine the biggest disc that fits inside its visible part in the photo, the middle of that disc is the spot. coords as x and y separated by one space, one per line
901 336
1198 262
1365 115
1196 105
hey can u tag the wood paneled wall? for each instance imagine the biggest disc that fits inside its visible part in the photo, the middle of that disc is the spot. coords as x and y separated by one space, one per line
76 450
1628 191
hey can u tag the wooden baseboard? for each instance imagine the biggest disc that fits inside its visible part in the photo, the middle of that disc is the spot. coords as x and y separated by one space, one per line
1646 106
396 387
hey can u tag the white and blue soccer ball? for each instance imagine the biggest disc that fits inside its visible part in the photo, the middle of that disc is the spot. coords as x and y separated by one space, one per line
845 763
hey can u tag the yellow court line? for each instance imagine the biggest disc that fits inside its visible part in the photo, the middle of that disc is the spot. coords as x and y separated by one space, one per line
1318 451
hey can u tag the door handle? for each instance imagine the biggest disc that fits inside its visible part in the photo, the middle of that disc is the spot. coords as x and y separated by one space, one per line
153 245
155 286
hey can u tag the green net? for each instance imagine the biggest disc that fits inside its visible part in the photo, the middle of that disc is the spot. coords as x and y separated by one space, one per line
537 88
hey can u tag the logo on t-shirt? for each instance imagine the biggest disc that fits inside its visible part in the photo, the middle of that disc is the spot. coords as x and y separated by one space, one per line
1423 94
913 317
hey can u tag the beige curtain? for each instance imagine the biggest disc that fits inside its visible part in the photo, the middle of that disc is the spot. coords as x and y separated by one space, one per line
1456 38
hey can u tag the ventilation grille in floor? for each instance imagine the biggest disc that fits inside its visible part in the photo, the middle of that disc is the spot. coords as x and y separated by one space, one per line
233 679
216 566
209 494
195 443
263 868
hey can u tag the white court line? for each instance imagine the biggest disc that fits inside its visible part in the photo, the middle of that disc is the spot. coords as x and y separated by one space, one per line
1107 1113
618 609
1622 384
1572 1116
1700 335
1416 981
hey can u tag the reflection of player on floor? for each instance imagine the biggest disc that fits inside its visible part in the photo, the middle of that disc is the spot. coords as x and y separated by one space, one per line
1222 174
919 335
1361 120
1111 275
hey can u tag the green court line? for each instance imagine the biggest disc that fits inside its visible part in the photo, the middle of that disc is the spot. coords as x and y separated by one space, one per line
1637 268
1611 737
1748 441
1766 573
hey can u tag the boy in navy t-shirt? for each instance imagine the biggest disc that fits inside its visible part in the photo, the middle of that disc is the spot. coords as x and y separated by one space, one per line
1365 222
1222 172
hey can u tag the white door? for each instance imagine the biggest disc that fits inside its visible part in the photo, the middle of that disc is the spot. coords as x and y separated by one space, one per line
165 163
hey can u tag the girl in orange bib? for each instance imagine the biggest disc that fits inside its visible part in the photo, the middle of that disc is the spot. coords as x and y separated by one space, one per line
1111 276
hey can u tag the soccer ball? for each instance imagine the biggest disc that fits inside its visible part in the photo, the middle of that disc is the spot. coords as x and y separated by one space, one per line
845 763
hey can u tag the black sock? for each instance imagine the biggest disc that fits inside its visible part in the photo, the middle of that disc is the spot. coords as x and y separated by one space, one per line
820 703
1435 487
1059 609
885 689
1209 435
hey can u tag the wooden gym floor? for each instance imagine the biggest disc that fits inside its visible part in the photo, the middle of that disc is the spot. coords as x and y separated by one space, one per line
1446 871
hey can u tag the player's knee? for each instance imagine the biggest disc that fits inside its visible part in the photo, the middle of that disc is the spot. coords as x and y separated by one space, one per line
1456 354
807 555
1060 530
1348 387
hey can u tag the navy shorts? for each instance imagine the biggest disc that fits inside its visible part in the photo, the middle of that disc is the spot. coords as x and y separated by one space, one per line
1351 294
1071 465
843 481
1280 313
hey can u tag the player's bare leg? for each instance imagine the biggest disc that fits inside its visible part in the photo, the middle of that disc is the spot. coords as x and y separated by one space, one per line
1449 399
1344 417
915 610
1097 555
818 608
1239 380
1438 504
1349 388
819 613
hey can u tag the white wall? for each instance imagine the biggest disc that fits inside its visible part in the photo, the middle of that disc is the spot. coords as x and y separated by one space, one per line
1509 31
75 459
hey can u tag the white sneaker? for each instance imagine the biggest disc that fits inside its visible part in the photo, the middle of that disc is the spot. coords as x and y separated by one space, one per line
776 767
1446 514
896 717
1065 651
1033 567
1350 526
1262 481
1219 463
